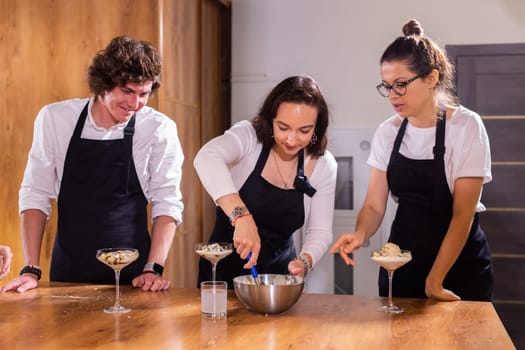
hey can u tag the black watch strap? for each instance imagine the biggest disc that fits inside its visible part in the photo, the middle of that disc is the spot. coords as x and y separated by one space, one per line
153 267
32 269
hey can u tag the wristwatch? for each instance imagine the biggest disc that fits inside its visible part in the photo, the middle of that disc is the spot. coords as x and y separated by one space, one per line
32 269
153 267
236 212
306 263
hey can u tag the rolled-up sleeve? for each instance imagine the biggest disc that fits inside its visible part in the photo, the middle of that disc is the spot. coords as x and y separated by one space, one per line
41 183
165 170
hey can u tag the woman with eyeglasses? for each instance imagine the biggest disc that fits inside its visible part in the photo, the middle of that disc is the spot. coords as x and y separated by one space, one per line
433 158
270 177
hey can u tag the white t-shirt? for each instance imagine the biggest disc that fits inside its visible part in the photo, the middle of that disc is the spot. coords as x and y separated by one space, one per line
157 155
467 148
226 162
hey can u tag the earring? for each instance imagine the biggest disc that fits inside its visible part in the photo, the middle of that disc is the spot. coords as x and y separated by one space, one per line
313 141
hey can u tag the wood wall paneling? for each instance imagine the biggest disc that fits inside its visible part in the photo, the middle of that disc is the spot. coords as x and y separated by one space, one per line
216 96
192 83
180 98
181 52
48 45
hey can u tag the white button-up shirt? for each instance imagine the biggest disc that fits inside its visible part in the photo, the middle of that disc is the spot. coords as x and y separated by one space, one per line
157 155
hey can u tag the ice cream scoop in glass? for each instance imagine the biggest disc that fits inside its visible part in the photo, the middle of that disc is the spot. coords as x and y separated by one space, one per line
117 259
391 260
214 252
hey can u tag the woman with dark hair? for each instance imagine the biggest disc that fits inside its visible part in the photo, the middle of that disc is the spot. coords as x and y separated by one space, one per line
433 157
271 177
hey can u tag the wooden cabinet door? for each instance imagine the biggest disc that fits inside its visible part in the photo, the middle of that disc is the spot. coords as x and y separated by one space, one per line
491 81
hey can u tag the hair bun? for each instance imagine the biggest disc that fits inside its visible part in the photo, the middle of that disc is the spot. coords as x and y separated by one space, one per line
412 28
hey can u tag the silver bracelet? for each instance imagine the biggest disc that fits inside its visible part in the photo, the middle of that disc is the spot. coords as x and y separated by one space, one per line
306 263
237 212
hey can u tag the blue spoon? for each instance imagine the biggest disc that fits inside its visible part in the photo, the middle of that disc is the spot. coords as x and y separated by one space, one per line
253 270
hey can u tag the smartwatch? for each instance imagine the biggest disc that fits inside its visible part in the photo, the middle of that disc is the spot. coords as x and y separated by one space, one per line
32 269
153 267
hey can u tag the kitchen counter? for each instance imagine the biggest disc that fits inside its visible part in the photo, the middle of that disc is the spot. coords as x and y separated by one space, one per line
70 316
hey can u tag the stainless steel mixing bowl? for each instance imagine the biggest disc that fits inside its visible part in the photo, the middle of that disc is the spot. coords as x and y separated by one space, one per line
276 294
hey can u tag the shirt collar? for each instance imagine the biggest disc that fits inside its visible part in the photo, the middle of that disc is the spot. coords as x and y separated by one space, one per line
92 123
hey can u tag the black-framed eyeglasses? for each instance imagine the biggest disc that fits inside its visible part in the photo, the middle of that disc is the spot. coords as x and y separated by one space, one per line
399 87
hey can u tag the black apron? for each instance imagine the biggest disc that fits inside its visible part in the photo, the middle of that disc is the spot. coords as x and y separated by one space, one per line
277 212
100 205
421 222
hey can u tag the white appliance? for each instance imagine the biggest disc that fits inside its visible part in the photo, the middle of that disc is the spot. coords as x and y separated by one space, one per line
351 147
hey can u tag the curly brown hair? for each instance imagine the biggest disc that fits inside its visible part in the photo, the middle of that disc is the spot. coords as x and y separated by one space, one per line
295 89
124 60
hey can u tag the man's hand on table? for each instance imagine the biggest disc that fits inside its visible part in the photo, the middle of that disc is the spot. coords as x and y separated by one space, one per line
21 283
150 282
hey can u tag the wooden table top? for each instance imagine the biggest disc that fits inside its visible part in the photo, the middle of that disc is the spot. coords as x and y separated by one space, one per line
70 316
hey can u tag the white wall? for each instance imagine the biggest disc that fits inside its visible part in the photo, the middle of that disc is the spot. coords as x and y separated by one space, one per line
339 43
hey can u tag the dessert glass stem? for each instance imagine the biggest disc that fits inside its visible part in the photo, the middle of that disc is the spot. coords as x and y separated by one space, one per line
213 271
390 276
117 290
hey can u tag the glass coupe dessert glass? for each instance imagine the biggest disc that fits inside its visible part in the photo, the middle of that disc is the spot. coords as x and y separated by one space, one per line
391 263
117 259
213 252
